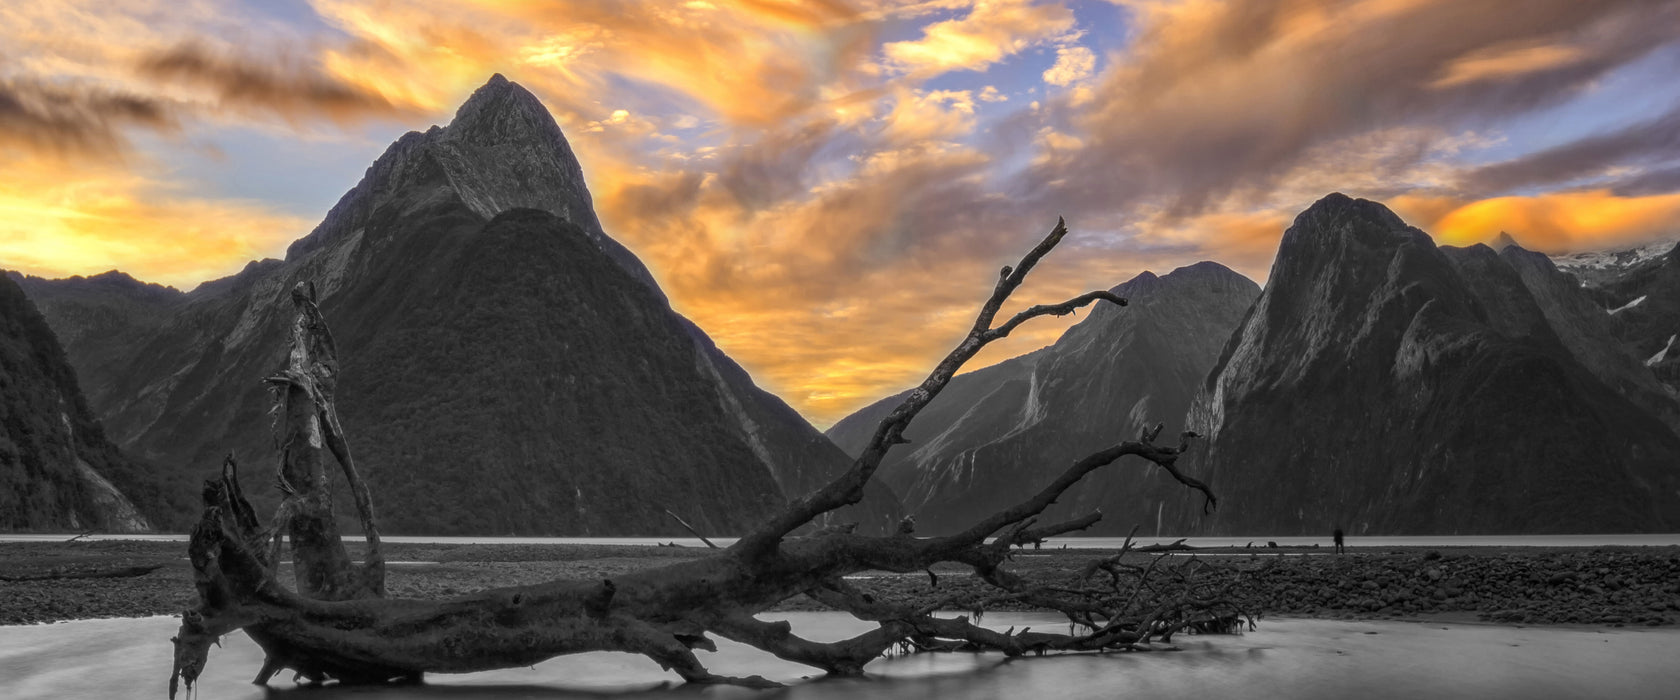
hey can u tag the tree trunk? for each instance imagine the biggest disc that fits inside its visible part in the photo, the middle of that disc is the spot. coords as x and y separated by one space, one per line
338 625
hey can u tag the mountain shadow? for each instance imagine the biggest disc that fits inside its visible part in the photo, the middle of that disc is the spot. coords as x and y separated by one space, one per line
57 470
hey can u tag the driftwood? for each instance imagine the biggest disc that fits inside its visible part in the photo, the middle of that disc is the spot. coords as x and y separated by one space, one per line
691 530
335 623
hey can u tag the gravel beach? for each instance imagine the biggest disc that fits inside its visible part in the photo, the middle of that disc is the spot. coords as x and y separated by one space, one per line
1612 586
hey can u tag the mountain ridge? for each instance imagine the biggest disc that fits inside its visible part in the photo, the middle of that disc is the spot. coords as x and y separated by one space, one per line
189 392
1389 385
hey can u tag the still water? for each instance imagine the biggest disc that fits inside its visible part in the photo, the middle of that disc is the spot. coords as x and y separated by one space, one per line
1309 659
1660 540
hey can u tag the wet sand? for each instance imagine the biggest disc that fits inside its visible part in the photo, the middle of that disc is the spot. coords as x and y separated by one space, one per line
1606 586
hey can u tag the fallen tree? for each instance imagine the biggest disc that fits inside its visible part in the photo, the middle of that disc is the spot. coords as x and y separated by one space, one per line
335 623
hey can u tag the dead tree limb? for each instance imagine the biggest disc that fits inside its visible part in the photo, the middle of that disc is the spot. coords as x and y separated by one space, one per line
336 624
691 530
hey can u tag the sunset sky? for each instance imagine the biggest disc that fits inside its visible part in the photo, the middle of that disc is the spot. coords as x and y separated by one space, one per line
829 188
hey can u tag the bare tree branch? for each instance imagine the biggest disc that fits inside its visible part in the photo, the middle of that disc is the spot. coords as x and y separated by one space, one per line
848 488
337 625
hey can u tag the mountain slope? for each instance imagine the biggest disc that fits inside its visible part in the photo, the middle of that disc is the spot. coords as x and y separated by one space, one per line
502 392
560 361
95 317
1006 430
57 470
1645 300
1390 386
1579 320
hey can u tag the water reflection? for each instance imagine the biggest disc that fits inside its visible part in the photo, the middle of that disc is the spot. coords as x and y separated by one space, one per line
1285 658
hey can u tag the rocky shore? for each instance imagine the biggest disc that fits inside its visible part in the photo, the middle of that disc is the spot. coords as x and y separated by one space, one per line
1613 586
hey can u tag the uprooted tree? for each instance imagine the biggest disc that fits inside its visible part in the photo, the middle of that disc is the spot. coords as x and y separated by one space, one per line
337 624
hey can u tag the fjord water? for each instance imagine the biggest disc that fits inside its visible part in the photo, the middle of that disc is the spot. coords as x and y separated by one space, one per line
1308 659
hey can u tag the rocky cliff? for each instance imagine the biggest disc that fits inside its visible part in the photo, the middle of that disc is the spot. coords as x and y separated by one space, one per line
57 470
1391 386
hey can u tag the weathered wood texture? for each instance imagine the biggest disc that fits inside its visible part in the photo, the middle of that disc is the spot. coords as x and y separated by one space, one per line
338 625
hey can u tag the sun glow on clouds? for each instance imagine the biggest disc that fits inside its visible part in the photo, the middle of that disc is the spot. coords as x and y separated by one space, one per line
1503 62
829 187
1560 221
58 220
990 33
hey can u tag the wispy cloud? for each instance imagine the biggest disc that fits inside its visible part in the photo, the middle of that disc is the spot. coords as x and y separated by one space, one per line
1216 98
75 119
1654 141
285 85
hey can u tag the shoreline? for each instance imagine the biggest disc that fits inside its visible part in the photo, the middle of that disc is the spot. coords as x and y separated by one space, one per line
1616 586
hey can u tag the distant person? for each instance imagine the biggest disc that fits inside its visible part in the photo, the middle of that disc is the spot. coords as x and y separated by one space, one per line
1337 536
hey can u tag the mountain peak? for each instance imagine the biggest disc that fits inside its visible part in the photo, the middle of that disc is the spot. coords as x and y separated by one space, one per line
1339 230
115 277
503 111
1504 240
502 151
1337 207
1205 269
497 92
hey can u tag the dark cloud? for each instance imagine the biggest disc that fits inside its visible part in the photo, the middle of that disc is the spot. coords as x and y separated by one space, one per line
776 167
72 119
1662 181
280 85
1652 141
1216 99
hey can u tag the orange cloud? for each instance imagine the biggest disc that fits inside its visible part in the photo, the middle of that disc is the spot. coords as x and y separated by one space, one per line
991 32
58 220
1245 241
752 62
928 115
1555 222
427 56
1499 62
836 294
